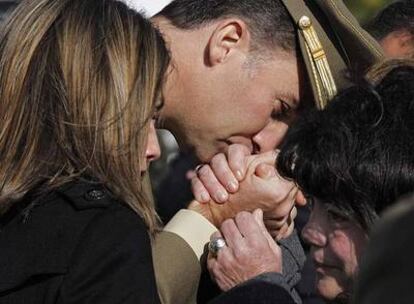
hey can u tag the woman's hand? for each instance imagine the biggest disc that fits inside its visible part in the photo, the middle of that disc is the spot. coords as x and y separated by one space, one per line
250 251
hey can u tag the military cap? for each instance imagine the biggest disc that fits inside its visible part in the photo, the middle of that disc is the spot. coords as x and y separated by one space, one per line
332 43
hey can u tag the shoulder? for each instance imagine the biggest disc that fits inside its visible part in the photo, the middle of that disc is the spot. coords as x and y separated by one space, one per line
112 256
76 218
94 205
101 220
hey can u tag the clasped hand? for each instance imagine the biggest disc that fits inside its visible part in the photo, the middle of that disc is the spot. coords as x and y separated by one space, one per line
237 181
250 251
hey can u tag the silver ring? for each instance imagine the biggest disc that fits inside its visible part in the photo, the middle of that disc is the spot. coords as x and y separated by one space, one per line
215 245
198 168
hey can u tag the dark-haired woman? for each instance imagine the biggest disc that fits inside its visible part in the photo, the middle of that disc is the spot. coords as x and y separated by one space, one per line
80 81
351 160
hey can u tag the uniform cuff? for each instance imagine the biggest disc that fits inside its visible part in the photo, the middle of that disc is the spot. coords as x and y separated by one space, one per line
194 228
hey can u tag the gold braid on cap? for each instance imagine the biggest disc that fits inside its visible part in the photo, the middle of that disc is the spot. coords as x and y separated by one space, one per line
325 83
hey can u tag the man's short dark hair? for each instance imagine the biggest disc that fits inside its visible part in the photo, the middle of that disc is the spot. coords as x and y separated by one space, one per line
268 20
357 155
397 16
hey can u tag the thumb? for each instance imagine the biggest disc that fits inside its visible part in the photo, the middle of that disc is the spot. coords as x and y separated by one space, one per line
265 171
258 216
300 199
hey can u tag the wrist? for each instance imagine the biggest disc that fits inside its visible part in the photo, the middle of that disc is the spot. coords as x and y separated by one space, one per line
202 209
213 212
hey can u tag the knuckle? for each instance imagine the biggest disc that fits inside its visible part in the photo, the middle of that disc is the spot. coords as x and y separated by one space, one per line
241 255
220 171
198 185
255 245
210 263
195 182
216 269
204 172
236 161
243 216
197 188
238 154
218 159
226 224
224 256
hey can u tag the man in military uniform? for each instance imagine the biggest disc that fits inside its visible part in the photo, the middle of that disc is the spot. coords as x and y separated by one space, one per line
241 72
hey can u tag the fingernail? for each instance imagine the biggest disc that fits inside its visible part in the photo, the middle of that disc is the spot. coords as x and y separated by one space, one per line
204 197
221 196
232 186
239 175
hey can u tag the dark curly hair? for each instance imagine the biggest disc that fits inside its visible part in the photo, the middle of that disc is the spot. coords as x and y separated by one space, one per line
357 155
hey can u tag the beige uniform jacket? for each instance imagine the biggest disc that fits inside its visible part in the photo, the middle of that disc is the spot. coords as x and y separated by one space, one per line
176 254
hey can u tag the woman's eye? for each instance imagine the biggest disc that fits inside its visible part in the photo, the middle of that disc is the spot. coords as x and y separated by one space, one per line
336 217
157 108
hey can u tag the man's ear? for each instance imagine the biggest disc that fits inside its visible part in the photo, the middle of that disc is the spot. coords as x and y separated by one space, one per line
229 37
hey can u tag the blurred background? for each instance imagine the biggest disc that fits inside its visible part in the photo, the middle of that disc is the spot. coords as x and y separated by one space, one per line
366 9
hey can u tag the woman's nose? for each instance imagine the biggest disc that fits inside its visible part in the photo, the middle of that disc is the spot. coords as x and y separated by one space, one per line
314 235
153 150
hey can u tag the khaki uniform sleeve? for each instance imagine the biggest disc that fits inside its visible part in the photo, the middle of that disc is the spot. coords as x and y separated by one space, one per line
176 253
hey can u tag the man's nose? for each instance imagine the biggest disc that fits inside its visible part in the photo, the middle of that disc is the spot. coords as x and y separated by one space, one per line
270 137
153 150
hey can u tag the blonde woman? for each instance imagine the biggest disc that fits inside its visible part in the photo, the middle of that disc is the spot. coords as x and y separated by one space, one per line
79 86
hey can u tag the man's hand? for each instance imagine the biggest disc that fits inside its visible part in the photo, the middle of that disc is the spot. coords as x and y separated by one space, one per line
280 228
250 251
222 176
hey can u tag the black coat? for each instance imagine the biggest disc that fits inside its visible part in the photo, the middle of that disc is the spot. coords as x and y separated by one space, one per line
264 289
76 245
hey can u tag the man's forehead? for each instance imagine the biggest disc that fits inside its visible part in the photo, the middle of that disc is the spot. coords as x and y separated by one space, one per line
287 71
297 90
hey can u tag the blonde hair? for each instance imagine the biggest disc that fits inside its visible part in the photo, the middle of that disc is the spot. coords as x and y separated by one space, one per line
78 84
